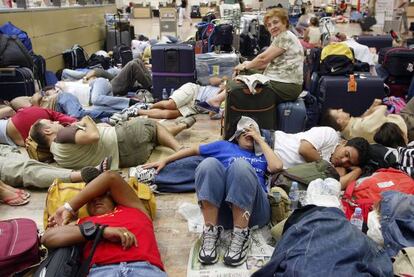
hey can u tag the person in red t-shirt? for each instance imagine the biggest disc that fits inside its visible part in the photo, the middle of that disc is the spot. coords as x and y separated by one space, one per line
15 130
128 243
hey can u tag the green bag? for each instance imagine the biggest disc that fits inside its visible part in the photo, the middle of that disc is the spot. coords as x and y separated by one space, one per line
304 174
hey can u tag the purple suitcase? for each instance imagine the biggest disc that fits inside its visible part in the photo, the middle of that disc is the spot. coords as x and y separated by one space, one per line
172 66
333 93
291 116
398 61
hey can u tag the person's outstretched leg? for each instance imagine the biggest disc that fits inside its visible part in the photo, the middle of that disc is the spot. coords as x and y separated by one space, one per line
70 105
101 95
134 71
158 113
166 138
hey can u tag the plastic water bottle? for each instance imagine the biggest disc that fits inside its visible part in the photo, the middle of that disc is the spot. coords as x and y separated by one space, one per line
171 91
294 196
357 218
164 94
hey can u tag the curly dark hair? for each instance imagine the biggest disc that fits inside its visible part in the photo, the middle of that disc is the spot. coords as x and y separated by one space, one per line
362 146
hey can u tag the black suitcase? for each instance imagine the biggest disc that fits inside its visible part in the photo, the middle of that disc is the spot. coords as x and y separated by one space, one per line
16 81
379 42
172 66
260 107
333 93
398 61
122 54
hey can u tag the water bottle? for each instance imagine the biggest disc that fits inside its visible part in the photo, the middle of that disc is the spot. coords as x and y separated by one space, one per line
171 91
357 218
294 196
164 94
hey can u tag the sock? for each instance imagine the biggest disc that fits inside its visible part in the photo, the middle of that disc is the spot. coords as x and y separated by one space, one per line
239 230
132 102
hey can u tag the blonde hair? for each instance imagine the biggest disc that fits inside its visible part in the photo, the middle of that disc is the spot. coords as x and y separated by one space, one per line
279 13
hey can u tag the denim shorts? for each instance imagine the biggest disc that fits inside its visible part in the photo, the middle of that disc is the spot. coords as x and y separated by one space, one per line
133 269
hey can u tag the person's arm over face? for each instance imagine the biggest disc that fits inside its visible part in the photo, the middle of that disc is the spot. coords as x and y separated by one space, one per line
88 133
120 191
350 176
374 106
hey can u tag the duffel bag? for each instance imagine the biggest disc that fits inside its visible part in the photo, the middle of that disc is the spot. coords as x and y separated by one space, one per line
398 61
13 53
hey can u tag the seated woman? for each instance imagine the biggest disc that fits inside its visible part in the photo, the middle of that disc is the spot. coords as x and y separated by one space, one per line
128 248
230 187
312 34
282 63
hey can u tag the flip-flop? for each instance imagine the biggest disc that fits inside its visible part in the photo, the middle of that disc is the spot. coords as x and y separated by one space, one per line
102 167
89 173
23 194
11 201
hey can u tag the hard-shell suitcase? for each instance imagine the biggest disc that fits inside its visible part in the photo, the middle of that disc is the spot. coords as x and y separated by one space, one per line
398 61
172 66
379 42
114 37
16 81
212 64
333 93
291 116
261 107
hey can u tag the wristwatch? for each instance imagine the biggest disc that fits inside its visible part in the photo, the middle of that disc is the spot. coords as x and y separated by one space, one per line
89 230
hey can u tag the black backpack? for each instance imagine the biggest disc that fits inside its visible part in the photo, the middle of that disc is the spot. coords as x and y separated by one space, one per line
75 57
210 16
195 11
379 156
248 45
66 261
14 53
39 69
223 37
99 61
337 60
122 54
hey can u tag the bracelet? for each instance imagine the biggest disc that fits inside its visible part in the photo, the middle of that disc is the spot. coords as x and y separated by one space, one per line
69 208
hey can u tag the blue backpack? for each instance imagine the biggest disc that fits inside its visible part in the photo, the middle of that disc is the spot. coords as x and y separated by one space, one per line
9 29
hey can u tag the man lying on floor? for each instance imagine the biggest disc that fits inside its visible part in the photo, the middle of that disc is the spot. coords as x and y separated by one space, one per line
86 144
293 149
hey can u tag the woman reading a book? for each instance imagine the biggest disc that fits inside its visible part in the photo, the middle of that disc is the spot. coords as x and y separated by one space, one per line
282 63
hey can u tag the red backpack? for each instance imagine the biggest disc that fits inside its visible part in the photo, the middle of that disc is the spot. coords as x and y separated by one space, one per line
365 192
19 245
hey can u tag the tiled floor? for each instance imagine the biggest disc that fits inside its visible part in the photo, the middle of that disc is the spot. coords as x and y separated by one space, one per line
171 230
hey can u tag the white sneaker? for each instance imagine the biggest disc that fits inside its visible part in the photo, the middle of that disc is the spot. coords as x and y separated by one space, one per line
143 175
236 254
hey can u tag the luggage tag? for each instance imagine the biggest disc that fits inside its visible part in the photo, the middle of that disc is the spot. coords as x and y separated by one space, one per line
352 84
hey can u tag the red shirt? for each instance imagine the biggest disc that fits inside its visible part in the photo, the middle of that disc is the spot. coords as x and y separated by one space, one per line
136 222
26 117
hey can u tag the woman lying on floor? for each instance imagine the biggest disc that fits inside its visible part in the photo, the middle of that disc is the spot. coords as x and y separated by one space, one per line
128 247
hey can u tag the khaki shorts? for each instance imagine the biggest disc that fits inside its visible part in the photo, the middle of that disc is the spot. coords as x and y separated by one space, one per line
136 140
184 98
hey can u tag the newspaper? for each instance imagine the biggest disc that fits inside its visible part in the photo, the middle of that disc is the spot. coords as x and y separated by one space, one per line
251 81
259 254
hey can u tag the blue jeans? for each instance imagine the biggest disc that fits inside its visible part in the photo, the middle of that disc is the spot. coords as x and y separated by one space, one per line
74 75
178 176
101 95
134 269
237 185
69 104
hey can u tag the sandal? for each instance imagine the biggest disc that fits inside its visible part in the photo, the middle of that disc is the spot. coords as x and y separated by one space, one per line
23 194
188 121
105 164
11 201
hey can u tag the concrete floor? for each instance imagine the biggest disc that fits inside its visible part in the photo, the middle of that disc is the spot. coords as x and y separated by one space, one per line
174 240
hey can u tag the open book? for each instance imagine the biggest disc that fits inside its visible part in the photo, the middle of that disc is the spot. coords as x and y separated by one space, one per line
252 81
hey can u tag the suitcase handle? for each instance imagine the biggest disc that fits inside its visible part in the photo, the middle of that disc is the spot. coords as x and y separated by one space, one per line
252 111
8 71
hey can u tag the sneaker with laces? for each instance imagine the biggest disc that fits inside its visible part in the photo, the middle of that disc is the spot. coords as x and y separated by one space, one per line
236 254
143 175
117 117
208 253
133 110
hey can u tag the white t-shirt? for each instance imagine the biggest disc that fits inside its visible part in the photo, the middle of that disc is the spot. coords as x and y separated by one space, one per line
207 92
324 139
80 90
361 51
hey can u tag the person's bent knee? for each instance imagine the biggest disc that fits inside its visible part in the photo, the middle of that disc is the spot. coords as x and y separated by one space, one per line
208 164
241 165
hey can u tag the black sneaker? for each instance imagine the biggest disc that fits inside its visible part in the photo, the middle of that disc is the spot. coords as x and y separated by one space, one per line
208 253
236 254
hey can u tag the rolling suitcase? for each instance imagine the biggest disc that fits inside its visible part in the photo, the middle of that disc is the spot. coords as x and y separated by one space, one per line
114 37
291 116
261 107
379 42
172 66
16 81
333 93
398 61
